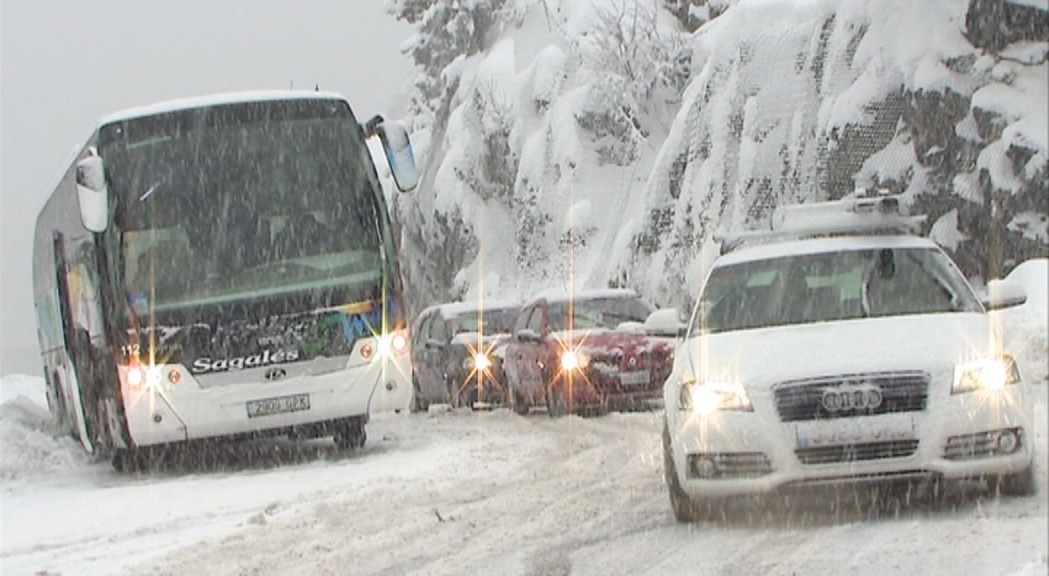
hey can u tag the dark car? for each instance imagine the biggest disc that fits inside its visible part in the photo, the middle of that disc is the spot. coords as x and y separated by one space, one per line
586 353
453 353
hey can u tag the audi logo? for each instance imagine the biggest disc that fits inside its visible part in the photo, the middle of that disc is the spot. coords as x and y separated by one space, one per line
275 374
865 396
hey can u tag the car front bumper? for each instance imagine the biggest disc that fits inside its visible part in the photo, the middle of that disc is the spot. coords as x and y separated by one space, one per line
954 437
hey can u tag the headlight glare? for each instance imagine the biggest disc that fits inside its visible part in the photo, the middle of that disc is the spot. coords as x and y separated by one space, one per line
134 376
708 397
990 374
573 360
393 344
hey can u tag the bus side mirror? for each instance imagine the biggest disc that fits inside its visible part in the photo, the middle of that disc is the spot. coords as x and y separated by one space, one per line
92 193
398 150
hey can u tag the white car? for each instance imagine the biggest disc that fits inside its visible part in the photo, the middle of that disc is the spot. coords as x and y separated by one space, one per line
842 351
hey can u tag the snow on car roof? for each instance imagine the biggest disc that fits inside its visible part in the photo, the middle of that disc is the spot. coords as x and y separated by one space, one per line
562 295
820 245
453 309
217 100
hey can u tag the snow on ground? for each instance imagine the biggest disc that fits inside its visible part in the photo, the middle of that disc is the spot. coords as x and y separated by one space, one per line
455 492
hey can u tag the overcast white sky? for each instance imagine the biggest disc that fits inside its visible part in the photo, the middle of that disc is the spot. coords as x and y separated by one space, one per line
65 64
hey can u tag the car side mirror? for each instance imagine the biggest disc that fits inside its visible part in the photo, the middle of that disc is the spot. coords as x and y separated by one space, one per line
1003 294
665 322
92 193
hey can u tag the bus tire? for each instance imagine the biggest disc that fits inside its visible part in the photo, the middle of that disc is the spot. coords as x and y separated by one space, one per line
350 434
59 411
132 460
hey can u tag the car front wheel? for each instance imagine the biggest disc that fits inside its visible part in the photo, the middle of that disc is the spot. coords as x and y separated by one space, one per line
1019 484
685 509
555 403
419 404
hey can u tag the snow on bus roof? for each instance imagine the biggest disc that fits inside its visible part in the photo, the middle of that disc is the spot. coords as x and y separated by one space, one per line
822 245
217 100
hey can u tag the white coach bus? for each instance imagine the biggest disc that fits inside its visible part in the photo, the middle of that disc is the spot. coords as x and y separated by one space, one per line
223 267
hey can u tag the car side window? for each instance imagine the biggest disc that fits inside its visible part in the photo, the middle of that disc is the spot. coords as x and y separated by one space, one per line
440 329
535 321
522 319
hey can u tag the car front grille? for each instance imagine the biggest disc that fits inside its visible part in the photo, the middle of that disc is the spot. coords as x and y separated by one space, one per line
799 400
607 372
857 452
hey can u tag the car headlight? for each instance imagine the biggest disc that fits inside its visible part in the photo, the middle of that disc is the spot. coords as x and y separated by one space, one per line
991 374
478 361
705 398
573 360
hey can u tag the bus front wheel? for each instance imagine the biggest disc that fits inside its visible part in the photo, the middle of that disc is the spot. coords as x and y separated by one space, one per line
133 460
350 434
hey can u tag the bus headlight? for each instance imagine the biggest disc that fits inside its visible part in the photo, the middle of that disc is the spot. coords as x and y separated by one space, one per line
393 344
990 374
150 376
708 397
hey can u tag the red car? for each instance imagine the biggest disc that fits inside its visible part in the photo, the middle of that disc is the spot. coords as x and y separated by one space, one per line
586 353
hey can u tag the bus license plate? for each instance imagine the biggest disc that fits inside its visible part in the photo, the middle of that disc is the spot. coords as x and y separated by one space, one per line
280 405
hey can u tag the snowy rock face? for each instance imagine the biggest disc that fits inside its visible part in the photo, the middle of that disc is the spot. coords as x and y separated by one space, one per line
603 143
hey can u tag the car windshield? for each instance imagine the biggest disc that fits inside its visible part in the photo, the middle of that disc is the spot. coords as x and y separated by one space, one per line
831 286
585 313
491 321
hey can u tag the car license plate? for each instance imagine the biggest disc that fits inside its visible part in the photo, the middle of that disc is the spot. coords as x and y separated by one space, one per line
635 378
845 431
279 405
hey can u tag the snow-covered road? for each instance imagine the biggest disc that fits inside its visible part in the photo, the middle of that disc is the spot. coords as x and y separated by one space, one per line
455 492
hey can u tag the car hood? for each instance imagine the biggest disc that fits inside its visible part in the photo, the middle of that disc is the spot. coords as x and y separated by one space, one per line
759 358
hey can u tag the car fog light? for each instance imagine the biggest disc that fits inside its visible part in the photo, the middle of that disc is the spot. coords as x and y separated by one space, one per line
705 468
1007 441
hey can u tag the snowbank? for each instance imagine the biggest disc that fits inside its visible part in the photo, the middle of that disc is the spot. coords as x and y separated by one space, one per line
29 444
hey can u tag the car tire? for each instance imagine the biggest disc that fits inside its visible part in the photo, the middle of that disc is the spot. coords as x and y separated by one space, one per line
419 404
457 397
556 406
1019 484
518 404
684 507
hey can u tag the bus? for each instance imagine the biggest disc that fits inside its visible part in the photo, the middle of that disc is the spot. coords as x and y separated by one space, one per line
223 267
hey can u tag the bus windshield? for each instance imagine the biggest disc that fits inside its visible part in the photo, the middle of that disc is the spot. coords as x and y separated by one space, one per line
242 201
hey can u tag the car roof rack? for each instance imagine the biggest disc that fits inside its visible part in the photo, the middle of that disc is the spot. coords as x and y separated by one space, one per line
850 216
